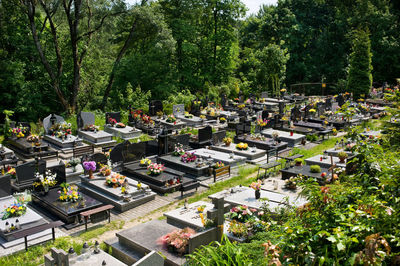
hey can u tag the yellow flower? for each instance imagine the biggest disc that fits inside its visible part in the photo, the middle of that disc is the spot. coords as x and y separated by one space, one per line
20 207
12 211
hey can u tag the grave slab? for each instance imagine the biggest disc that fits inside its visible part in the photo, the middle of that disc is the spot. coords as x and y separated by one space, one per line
325 162
285 136
251 153
189 217
227 159
96 138
175 162
125 133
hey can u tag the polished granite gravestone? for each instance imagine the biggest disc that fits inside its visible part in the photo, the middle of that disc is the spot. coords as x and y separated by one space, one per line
252 153
29 150
68 212
338 124
29 220
63 143
190 216
160 183
246 196
266 144
97 259
305 171
285 136
191 168
325 162
98 189
125 133
96 137
142 239
217 156
191 120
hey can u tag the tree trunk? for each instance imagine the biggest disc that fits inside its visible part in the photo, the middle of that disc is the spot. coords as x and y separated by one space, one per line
215 39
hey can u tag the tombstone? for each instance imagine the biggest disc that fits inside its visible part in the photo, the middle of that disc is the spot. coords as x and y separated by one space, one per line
151 148
328 103
264 115
154 107
26 172
335 106
115 115
205 134
264 94
133 151
178 109
321 110
116 153
223 100
50 120
86 118
59 170
295 113
99 158
340 100
306 111
5 186
218 137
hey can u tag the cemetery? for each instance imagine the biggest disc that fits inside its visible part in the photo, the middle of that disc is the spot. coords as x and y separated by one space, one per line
199 133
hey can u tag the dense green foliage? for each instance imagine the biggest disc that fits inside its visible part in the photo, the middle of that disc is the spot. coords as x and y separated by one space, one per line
56 61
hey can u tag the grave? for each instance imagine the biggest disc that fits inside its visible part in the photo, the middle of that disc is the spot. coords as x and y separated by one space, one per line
246 196
91 134
30 149
68 212
314 126
189 119
269 106
262 143
51 136
292 139
204 138
5 153
188 217
252 153
124 133
217 156
97 189
178 124
326 162
192 168
25 174
305 171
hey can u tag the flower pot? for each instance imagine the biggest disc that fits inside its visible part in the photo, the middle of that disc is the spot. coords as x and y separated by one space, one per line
91 174
74 168
342 159
228 144
257 194
298 164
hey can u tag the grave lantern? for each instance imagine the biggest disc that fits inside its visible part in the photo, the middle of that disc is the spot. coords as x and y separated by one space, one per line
85 250
72 255
96 247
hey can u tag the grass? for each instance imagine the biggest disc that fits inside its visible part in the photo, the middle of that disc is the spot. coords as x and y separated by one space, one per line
90 234
319 149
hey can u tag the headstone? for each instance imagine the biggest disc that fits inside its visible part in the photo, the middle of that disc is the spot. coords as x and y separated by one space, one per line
205 134
264 94
340 100
295 113
26 172
133 151
47 124
116 153
178 109
154 107
335 106
264 114
5 186
306 111
151 148
115 115
87 118
223 100
59 170
281 107
219 136
321 110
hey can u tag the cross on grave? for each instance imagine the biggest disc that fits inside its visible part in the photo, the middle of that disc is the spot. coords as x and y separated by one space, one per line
217 213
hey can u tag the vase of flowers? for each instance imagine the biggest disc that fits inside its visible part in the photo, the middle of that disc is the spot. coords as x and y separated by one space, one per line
257 187
178 150
155 168
45 181
342 156
73 163
90 166
227 141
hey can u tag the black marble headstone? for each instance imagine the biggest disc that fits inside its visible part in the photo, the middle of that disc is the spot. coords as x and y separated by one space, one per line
295 113
116 153
205 134
151 148
26 172
154 107
5 186
340 100
133 151
115 115
264 115
218 136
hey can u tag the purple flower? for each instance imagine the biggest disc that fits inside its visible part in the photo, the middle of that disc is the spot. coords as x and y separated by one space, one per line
90 165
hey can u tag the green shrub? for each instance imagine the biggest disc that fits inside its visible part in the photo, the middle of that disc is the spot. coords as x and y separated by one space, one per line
315 168
299 161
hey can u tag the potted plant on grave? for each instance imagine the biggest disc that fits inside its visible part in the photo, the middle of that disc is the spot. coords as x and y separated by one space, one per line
69 193
237 229
115 180
222 120
227 141
218 165
178 150
105 170
171 119
16 209
315 168
177 241
145 162
334 131
257 187
73 163
155 168
45 181
342 156
90 166
298 161
242 146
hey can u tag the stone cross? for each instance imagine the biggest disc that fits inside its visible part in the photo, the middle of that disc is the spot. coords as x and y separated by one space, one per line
217 214
57 257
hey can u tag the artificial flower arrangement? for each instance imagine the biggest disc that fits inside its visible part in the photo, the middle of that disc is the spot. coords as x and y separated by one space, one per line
91 127
69 193
312 111
115 180
155 168
241 106
171 119
238 229
73 162
105 170
16 209
256 185
178 150
275 134
222 119
188 157
89 165
112 121
137 114
145 162
177 241
257 137
218 165
201 208
227 141
241 213
47 180
33 138
120 125
262 123
291 183
147 120
187 115
61 129
19 131
202 116
12 172
242 146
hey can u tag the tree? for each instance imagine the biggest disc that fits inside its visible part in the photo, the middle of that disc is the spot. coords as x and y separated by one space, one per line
359 80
